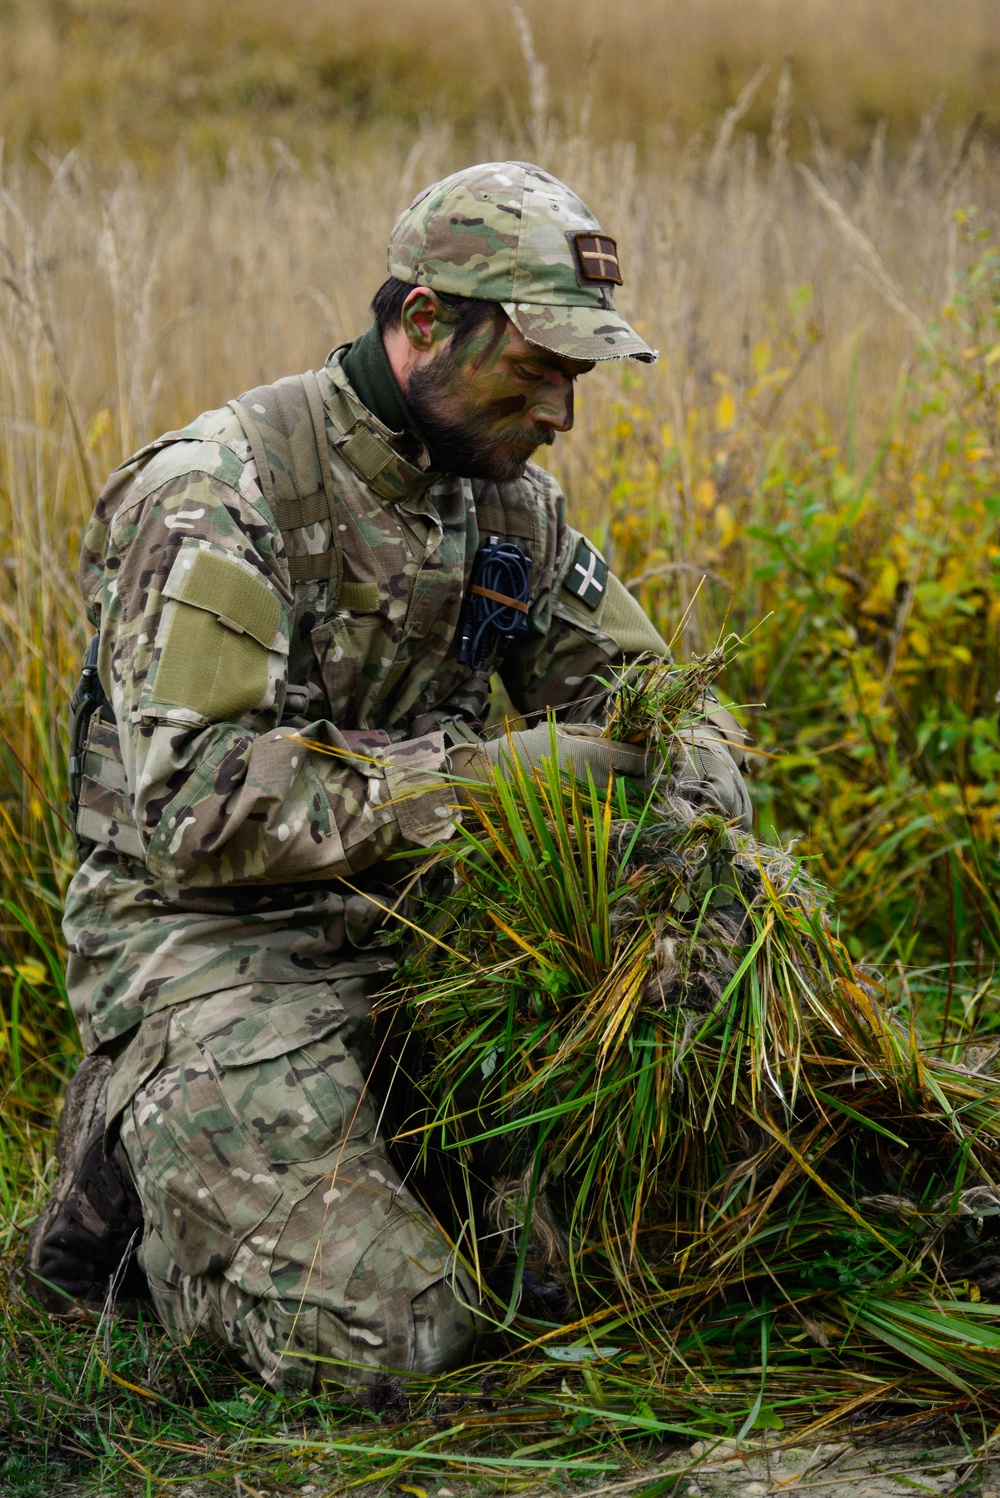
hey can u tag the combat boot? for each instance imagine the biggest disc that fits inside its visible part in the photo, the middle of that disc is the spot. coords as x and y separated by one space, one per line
85 1239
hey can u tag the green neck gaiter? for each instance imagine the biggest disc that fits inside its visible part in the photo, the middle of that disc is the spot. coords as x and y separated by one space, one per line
367 367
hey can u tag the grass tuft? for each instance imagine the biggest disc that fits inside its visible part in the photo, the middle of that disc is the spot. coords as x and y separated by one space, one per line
667 1110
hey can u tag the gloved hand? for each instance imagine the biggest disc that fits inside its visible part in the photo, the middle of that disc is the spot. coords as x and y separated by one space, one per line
708 773
704 767
733 736
578 746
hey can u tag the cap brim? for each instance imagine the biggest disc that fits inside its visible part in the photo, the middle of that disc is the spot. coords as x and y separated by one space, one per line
589 333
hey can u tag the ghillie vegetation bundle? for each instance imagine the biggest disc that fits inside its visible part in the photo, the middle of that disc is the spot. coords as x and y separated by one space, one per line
665 1111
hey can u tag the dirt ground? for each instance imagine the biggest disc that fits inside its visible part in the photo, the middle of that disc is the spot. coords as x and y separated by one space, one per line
836 1469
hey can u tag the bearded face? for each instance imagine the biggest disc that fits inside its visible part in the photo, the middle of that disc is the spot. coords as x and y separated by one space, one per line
485 405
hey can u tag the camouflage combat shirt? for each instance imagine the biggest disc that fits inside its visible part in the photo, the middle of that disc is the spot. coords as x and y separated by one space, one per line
224 644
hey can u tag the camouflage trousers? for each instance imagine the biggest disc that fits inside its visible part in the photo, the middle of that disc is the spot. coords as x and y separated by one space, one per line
274 1219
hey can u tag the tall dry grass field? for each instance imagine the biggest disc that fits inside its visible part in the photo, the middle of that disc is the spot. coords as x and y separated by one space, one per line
814 463
146 74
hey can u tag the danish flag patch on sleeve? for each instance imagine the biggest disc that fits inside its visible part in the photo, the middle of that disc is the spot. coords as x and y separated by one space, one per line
588 576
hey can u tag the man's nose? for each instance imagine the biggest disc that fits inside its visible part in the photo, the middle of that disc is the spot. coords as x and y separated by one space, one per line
555 409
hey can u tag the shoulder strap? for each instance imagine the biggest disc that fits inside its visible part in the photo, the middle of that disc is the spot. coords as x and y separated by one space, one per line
502 512
285 427
514 522
365 449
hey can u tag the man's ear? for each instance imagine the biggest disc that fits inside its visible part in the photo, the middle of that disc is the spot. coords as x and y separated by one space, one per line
424 320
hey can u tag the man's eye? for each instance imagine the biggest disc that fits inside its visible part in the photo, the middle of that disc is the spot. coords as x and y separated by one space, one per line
527 374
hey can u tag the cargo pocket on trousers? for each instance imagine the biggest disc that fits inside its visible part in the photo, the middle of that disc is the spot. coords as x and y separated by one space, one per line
204 1184
300 1106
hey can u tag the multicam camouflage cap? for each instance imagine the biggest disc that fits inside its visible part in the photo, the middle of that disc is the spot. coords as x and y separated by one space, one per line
508 232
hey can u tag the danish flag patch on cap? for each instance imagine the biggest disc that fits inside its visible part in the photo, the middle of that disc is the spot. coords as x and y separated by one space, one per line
597 257
588 575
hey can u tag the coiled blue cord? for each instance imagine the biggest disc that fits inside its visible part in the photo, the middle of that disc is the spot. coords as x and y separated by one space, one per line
503 568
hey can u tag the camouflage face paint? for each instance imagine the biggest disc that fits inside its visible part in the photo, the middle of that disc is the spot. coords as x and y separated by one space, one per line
486 405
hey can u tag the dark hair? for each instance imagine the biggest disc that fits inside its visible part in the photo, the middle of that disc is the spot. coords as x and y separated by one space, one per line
469 313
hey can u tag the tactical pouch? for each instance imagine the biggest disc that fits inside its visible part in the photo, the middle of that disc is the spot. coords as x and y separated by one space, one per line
103 815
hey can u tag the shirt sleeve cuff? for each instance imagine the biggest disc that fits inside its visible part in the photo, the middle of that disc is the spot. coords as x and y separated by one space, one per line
421 794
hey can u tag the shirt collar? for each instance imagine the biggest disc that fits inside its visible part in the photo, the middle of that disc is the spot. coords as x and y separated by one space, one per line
394 463
367 367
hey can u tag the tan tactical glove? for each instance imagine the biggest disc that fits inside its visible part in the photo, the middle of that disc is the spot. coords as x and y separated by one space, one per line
721 718
706 771
578 746
709 772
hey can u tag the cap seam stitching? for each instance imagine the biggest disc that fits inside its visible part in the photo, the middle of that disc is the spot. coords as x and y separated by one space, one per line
520 230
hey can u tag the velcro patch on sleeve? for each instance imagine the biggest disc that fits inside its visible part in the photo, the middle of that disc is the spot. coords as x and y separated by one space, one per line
219 584
217 633
587 578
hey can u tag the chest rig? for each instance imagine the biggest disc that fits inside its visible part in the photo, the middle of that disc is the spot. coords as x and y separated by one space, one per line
285 426
290 452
